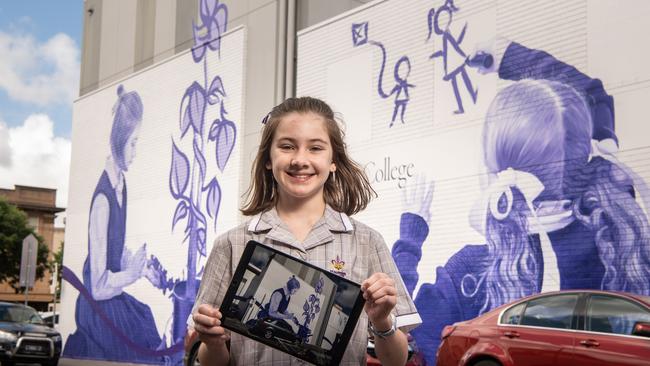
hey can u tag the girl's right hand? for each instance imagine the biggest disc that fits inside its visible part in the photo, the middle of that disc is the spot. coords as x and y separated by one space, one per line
207 323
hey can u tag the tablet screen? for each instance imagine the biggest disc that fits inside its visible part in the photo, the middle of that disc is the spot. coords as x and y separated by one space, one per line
291 305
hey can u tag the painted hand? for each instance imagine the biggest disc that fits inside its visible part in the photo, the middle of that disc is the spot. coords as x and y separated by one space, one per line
494 47
134 265
417 198
154 276
381 297
207 323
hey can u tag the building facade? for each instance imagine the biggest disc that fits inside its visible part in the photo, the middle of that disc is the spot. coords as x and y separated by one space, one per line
40 206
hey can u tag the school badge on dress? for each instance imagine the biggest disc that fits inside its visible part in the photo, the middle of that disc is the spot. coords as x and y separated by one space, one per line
338 266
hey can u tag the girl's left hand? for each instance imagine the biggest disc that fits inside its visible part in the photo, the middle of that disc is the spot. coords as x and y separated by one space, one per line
381 297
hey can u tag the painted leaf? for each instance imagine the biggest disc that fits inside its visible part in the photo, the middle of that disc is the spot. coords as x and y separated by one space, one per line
181 212
216 90
195 108
200 234
316 309
305 307
179 173
225 139
213 201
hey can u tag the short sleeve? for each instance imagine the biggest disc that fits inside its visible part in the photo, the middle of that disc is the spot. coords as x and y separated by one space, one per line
216 276
381 261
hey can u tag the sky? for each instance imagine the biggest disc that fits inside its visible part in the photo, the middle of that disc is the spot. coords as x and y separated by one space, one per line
40 48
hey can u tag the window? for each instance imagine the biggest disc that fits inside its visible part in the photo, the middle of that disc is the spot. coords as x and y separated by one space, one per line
513 315
32 221
551 311
609 314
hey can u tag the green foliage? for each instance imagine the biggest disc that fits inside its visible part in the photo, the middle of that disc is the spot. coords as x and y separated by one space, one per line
58 259
13 229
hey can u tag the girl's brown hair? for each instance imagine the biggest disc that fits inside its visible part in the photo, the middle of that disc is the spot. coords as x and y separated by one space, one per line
350 192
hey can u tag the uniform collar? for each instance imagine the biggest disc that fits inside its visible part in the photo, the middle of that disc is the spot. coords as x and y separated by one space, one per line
332 221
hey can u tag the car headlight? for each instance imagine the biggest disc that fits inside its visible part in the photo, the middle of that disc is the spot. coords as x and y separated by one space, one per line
56 338
7 336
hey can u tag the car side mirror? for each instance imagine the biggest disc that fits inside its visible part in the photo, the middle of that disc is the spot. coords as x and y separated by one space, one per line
641 329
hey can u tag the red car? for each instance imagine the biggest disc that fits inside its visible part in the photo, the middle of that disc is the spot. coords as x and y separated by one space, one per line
559 328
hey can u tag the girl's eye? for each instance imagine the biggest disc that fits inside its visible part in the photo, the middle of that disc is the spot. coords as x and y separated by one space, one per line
286 147
316 148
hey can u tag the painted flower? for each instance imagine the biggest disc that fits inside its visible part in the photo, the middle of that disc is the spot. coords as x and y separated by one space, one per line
214 20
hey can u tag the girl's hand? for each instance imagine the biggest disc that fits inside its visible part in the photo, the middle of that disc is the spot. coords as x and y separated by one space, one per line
207 323
381 297
418 197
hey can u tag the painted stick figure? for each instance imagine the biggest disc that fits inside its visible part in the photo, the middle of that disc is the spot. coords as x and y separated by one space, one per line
401 72
454 62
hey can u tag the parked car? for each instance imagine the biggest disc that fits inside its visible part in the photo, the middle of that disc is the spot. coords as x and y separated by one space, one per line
26 338
573 328
50 319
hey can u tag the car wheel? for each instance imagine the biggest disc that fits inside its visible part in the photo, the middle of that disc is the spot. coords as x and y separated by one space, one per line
487 363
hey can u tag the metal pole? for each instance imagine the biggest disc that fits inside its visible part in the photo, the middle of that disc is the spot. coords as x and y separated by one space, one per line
56 283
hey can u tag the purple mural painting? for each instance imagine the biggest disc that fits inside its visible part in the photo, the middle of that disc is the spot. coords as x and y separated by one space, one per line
558 213
401 72
102 303
453 57
199 196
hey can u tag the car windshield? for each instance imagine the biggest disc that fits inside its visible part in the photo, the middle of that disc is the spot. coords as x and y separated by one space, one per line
19 314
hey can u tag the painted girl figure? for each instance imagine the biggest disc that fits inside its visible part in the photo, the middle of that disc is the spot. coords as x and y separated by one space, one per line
453 57
401 88
113 325
558 211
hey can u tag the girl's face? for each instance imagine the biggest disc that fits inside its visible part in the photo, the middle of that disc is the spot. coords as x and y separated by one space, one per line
129 147
301 157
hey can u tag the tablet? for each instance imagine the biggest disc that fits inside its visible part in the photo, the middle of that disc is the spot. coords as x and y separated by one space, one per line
291 305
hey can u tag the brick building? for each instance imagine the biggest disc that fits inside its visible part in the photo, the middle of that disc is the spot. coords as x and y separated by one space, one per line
40 206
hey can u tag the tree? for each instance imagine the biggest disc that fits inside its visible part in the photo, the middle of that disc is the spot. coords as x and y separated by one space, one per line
13 229
57 258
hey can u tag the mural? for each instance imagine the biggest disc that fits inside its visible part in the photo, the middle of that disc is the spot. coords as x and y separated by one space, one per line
559 212
532 187
401 72
188 183
452 55
148 325
109 268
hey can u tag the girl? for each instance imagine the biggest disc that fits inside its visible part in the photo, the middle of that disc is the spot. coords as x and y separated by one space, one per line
304 187
109 267
557 214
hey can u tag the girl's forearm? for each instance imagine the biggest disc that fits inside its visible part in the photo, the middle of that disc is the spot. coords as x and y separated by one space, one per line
392 350
217 356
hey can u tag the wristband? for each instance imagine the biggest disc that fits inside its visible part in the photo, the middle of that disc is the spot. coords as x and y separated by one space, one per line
385 333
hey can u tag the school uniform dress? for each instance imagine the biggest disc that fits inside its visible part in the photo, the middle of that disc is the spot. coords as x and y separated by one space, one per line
457 294
105 326
336 243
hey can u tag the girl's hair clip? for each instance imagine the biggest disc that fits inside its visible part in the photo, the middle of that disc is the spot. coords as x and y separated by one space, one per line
266 118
